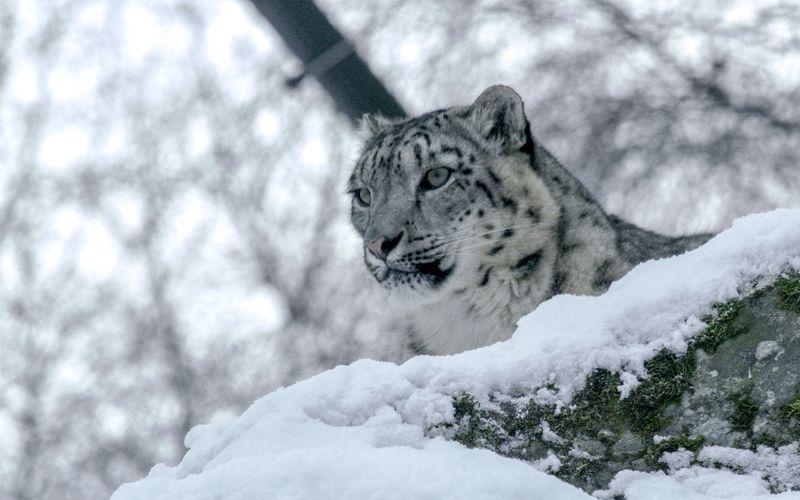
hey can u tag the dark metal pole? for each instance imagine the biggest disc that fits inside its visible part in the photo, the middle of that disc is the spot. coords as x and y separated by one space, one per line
329 57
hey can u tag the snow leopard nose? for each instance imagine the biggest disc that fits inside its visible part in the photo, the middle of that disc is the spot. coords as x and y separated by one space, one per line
381 247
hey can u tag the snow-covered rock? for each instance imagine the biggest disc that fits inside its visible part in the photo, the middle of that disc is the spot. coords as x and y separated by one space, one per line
544 397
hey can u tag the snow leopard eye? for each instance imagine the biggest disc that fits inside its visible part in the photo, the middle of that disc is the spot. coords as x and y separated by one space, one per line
363 197
435 178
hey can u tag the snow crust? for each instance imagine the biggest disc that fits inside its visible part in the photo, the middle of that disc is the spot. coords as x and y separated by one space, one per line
367 430
693 483
783 463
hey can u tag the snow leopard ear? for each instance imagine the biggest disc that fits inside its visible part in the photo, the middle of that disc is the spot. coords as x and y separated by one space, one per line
499 116
372 124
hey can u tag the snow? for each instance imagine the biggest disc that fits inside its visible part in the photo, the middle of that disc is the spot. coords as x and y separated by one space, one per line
550 463
677 460
356 470
367 430
766 349
694 483
783 463
549 436
337 436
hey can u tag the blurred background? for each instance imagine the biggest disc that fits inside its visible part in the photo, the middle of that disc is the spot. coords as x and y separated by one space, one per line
174 240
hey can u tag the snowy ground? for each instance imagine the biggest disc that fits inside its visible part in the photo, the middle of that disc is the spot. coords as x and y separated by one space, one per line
362 431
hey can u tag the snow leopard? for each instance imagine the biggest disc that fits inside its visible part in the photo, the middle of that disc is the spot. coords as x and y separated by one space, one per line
470 223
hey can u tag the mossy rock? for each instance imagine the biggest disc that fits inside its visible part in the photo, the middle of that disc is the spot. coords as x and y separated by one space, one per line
737 385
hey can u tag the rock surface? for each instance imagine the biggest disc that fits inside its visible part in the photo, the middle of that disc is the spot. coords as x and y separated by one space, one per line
731 401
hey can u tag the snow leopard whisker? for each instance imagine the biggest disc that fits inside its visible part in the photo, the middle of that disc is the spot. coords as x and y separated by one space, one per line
479 245
467 234
485 233
464 231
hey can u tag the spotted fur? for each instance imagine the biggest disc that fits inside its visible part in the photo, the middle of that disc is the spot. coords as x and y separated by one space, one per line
508 229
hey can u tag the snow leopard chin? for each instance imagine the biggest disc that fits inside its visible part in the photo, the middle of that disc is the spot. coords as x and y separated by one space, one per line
409 289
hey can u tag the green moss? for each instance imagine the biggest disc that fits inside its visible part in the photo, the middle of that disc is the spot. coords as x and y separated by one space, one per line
721 326
788 287
767 440
586 473
594 409
670 375
683 440
791 409
790 413
464 405
745 410
476 427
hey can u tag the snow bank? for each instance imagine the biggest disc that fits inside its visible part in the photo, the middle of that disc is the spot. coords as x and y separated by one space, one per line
360 431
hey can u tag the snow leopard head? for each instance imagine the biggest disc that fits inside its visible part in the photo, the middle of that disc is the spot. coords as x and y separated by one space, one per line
438 198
